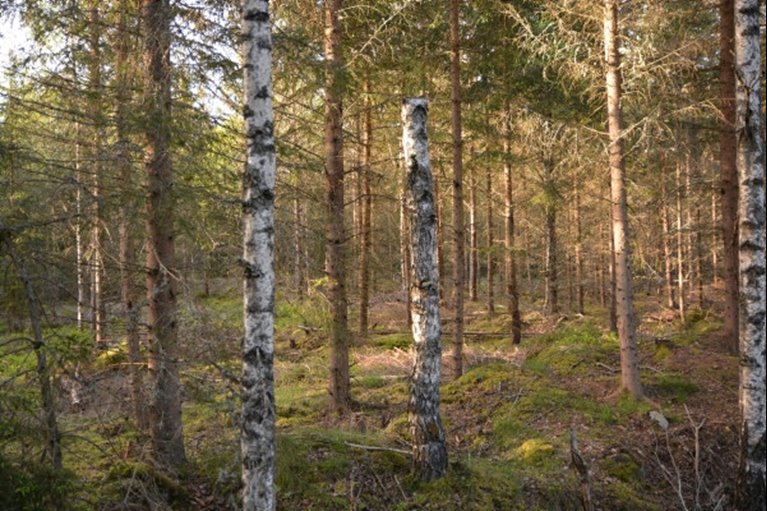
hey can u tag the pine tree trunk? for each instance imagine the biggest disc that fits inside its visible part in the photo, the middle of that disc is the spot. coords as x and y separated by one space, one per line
162 321
365 227
429 450
680 246
619 211
458 223
751 487
667 259
490 242
335 243
578 252
258 413
80 269
728 172
95 249
714 242
613 312
127 255
299 265
473 238
551 303
510 257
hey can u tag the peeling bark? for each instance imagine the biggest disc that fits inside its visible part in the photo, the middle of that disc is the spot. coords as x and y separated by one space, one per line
429 450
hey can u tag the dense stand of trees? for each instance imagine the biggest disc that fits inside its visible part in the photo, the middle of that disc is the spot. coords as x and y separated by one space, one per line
603 159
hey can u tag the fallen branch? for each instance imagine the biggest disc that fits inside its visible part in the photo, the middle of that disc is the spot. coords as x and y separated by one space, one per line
378 448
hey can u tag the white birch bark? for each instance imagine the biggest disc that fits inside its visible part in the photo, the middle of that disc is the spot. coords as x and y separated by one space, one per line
429 451
751 244
257 427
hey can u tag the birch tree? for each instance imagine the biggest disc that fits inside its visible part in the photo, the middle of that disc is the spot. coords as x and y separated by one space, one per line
750 492
429 451
257 427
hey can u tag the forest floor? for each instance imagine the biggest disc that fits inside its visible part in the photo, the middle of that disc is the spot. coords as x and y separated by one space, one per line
508 419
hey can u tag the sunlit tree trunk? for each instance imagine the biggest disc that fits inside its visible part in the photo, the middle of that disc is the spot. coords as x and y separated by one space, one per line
551 302
579 292
429 450
473 237
95 169
366 204
751 485
665 227
458 223
510 257
680 246
80 269
162 320
714 242
127 257
728 172
299 265
405 249
258 413
619 211
490 241
335 232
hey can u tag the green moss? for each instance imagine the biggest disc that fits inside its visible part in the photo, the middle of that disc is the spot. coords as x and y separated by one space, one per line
572 350
534 451
482 378
673 386
392 341
622 467
662 352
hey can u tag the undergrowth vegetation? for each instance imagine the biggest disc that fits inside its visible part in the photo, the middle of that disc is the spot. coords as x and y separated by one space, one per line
508 418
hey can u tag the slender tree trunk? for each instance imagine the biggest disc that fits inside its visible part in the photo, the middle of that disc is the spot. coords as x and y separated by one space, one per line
667 259
510 257
365 228
728 172
613 313
258 414
127 255
162 321
53 437
95 168
714 242
551 303
458 224
299 265
578 252
623 286
335 243
490 242
680 246
429 451
473 239
79 230
440 251
751 492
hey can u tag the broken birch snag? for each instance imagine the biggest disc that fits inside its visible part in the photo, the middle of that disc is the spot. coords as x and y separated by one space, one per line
429 451
750 492
257 423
